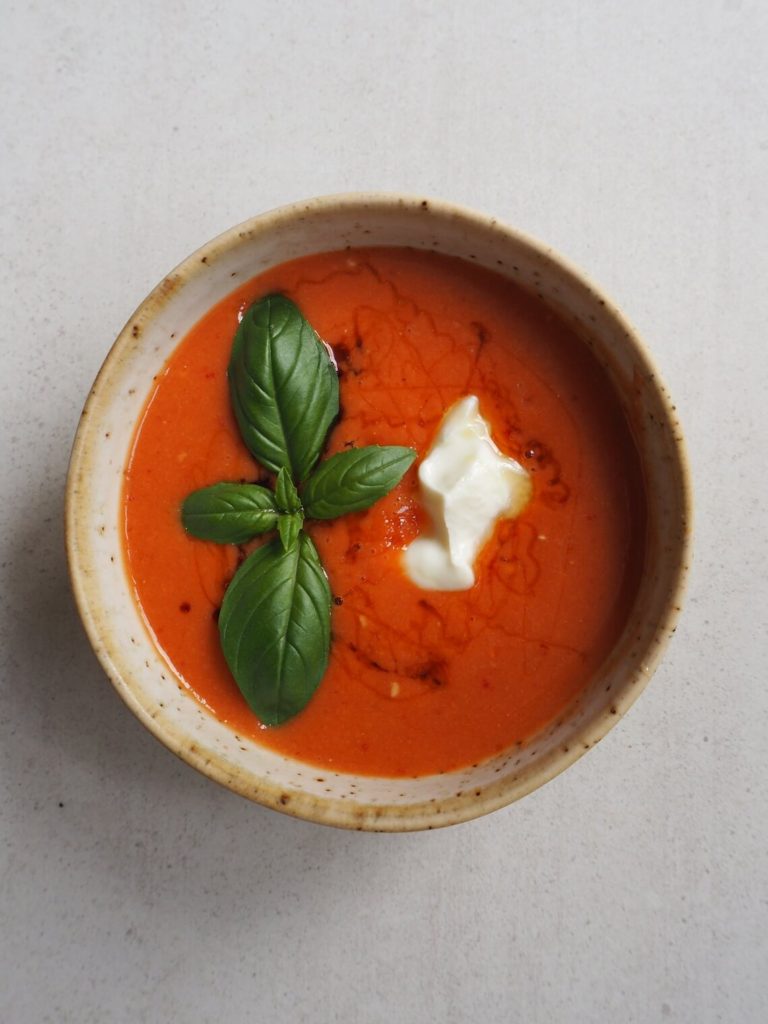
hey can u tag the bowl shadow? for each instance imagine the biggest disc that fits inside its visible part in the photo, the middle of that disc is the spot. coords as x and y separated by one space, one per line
85 777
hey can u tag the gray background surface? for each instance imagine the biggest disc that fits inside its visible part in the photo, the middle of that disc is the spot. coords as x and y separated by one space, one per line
631 136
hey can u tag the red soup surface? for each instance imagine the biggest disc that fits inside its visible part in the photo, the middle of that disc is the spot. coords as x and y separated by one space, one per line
419 681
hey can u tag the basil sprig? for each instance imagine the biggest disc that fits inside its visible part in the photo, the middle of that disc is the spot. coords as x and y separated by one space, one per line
275 621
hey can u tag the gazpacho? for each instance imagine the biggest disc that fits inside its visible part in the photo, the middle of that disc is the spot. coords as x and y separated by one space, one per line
474 596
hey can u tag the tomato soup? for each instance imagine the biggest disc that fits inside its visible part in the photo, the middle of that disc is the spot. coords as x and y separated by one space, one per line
419 681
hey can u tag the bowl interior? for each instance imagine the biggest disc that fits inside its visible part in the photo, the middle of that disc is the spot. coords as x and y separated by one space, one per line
94 515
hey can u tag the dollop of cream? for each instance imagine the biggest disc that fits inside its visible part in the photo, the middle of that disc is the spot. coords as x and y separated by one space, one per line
466 485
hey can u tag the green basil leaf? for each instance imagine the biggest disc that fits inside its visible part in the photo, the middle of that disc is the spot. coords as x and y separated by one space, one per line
229 513
288 527
286 496
275 628
284 387
353 480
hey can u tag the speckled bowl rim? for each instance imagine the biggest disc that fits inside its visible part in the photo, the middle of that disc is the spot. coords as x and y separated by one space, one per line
331 811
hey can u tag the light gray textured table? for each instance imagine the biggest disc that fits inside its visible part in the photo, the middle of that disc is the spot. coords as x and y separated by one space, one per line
634 138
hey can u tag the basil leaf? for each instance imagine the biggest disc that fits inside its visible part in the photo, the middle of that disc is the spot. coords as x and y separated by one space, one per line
229 513
275 628
288 527
284 387
286 495
353 480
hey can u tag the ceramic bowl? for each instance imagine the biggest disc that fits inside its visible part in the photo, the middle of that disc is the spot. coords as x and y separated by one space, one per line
93 516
